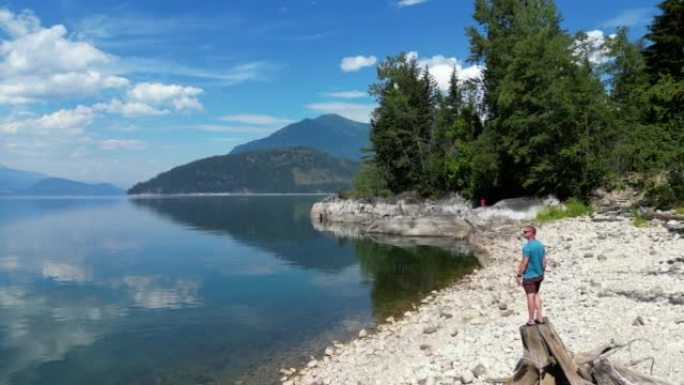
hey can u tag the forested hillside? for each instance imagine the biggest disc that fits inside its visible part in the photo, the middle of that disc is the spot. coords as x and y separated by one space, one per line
552 113
285 170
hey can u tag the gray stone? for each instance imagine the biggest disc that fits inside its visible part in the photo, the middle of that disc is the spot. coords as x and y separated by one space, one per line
507 313
503 306
467 377
602 257
677 299
363 333
638 321
454 333
430 329
588 255
424 347
674 226
479 370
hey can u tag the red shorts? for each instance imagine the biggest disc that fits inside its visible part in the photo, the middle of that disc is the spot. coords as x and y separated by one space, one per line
532 285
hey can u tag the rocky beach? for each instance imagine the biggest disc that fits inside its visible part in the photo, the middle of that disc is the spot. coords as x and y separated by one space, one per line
608 280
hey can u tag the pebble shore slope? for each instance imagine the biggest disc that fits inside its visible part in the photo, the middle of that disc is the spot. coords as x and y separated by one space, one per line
606 281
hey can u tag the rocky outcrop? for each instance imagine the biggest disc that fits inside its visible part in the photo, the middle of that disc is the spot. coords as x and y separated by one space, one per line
452 218
344 230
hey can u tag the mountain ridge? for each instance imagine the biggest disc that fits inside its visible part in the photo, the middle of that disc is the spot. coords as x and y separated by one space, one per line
278 170
331 133
15 182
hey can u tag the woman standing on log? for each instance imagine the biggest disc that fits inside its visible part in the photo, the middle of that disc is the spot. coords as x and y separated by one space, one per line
531 273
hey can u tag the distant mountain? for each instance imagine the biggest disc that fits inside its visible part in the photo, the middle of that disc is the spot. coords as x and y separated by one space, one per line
330 133
12 180
19 182
59 186
281 170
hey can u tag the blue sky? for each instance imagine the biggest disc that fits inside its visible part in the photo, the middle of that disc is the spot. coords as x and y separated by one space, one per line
120 91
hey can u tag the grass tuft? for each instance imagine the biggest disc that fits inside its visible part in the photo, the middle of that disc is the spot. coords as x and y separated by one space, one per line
638 220
679 211
573 208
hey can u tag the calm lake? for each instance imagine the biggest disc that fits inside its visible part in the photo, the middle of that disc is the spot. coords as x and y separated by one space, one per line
202 290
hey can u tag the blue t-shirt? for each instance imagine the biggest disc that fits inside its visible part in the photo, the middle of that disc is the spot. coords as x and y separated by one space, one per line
534 250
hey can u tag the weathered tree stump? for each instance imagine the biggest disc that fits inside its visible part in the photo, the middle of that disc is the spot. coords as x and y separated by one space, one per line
546 361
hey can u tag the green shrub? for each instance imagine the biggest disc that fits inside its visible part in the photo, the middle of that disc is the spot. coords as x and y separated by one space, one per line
370 181
666 190
638 220
573 208
679 211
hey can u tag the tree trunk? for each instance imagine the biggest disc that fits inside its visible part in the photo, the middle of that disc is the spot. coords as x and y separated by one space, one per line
546 361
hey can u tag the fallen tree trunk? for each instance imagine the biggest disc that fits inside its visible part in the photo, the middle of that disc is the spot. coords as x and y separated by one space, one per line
663 216
607 373
546 361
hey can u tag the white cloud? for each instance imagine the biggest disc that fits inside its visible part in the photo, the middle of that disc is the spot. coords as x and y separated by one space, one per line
358 112
355 63
256 119
593 47
38 63
235 74
121 144
9 263
408 3
347 94
441 67
65 121
18 25
630 18
63 272
158 94
159 293
130 109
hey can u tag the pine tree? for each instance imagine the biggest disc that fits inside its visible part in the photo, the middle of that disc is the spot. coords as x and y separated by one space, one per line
401 125
625 71
543 107
663 101
665 56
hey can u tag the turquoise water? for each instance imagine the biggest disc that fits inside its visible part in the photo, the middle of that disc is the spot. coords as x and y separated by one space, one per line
205 290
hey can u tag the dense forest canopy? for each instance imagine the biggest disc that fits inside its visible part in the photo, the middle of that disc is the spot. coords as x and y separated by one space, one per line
545 117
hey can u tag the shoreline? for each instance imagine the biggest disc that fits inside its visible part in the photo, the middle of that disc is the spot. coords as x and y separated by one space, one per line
606 280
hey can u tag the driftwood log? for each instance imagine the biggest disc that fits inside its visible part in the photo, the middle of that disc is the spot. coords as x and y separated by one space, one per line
546 361
663 216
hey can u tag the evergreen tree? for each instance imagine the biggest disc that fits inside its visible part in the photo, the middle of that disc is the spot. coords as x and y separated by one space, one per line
401 125
663 101
665 56
665 96
625 71
544 108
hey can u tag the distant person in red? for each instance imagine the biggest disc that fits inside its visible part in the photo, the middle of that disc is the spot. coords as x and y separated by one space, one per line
483 202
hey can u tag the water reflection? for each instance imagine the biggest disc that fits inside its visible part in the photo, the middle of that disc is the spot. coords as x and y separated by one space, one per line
187 291
276 224
402 276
